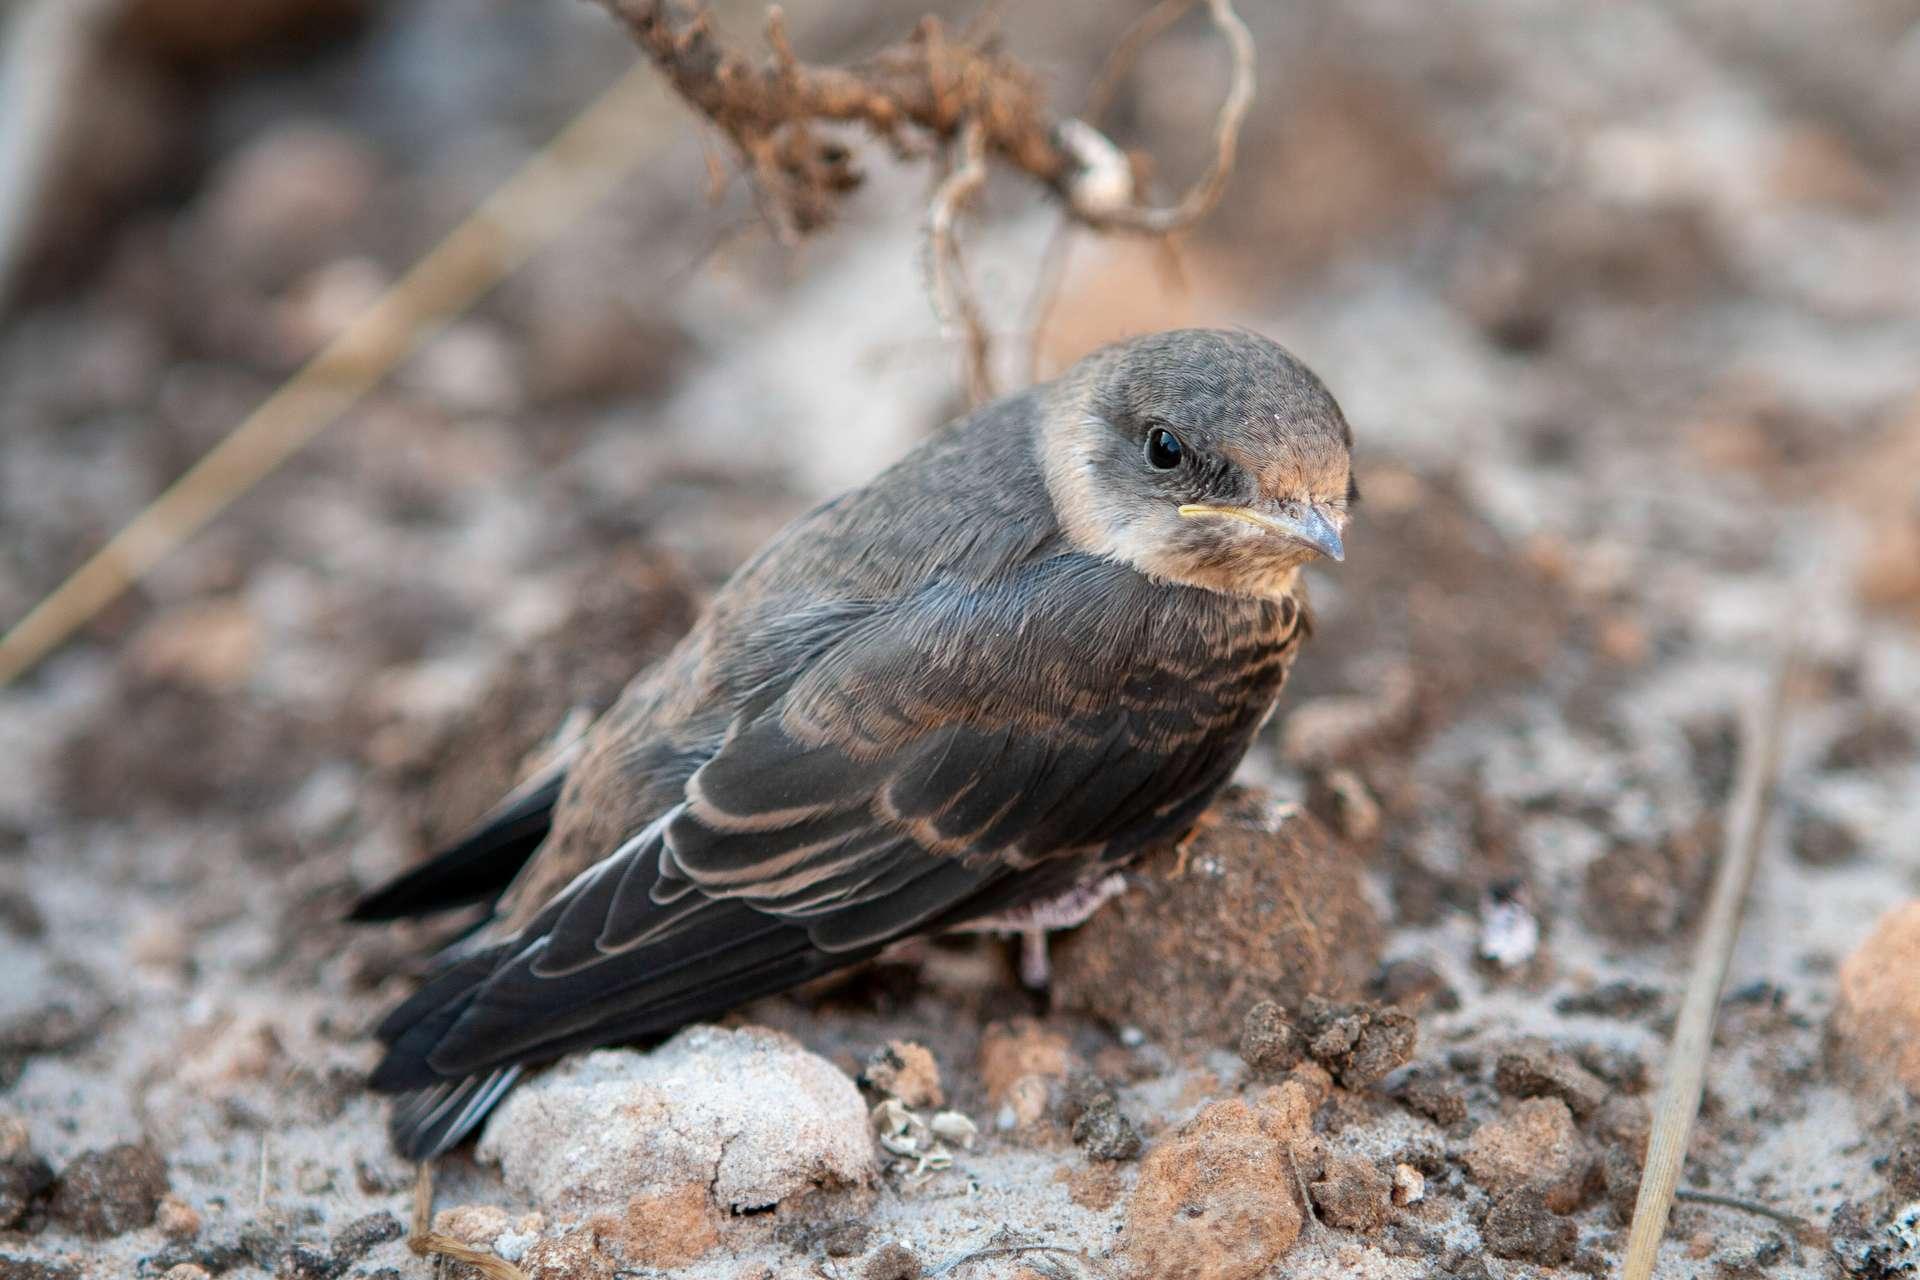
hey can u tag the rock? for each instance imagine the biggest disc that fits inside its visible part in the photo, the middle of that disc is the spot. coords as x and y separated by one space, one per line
1816 166
177 1219
594 342
1409 1185
209 643
1094 1120
186 1271
106 1193
1874 1244
281 204
1360 1044
1878 738
1874 1031
747 1114
1648 892
309 1262
1024 1104
1215 1201
23 1178
48 1006
475 1224
469 368
1340 799
12 1268
1335 727
1013 1051
1620 1172
845 1240
1413 985
1903 1166
1521 1227
573 1256
23 1175
905 1070
1434 1094
664 1230
1820 841
1352 1194
1258 914
1621 999
1534 1147
353 1241
1095 1186
893 1262
1534 1069
1625 1122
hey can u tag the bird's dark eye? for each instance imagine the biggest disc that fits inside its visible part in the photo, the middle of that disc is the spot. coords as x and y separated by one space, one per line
1164 449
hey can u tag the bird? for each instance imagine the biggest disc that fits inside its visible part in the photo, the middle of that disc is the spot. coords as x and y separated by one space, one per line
970 691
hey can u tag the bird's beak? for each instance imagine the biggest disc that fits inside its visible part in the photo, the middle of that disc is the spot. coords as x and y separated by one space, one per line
1311 528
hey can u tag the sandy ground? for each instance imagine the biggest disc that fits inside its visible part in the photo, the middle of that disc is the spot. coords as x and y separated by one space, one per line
1623 303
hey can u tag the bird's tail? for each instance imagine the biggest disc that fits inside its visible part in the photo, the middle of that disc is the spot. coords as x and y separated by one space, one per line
426 1122
480 866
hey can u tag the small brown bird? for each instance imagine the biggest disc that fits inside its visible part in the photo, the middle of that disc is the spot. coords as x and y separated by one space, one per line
969 691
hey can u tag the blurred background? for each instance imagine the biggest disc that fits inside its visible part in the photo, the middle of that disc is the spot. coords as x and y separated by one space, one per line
1623 302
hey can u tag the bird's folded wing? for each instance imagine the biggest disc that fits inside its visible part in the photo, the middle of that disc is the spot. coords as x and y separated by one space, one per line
919 764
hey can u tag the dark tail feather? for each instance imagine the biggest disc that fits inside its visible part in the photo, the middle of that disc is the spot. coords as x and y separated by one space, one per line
478 868
427 1122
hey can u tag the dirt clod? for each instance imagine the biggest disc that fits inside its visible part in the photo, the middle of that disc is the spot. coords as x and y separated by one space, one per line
179 1220
1433 1093
1875 1028
1413 985
1646 892
1269 1042
1534 1148
1621 999
1094 1120
1903 1166
1358 1043
573 1256
23 1174
1013 1051
1620 1175
893 1261
1352 1194
1521 1226
907 1071
1258 913
105 1193
1534 1069
845 1240
1215 1200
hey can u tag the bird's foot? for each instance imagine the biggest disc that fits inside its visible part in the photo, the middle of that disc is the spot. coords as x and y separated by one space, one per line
1034 921
1207 821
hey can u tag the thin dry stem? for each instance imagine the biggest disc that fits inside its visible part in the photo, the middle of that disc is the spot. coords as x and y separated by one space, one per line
927 82
1806 1231
1014 1250
424 1242
1205 193
953 296
1679 1099
584 162
1050 276
1144 31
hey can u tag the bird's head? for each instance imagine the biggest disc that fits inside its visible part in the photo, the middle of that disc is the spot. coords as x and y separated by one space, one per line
1206 457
